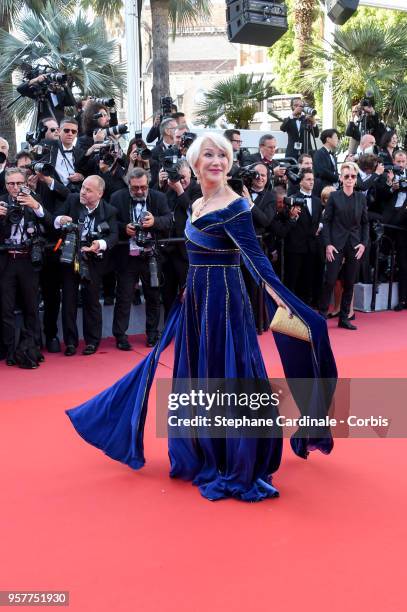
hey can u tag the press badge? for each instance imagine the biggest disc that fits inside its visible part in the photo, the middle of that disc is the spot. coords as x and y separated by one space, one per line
298 146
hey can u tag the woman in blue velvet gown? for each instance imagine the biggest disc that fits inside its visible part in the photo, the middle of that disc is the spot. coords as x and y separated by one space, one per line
215 337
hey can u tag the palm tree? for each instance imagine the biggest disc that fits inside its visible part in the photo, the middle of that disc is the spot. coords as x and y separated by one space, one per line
166 16
69 44
9 11
237 98
365 57
304 14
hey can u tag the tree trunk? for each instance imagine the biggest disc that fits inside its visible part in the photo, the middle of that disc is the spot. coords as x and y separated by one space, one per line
161 71
303 18
7 123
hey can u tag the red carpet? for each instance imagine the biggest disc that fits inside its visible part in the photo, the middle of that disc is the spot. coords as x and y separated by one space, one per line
119 540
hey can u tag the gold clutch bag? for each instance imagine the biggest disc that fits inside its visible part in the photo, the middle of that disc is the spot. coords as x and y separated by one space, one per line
293 326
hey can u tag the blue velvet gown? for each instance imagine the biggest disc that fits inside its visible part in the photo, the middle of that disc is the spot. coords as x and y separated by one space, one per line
215 337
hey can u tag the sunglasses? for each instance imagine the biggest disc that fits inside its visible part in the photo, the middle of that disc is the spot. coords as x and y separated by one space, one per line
348 176
53 129
139 188
70 131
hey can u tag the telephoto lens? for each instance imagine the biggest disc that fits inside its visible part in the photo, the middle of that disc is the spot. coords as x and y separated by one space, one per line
153 270
116 130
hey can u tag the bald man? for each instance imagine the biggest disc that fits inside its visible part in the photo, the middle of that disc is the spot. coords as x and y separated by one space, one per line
88 210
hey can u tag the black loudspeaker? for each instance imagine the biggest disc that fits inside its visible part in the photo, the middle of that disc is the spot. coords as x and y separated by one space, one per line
339 11
254 22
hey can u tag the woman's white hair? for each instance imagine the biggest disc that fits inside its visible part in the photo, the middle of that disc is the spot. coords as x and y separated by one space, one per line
216 140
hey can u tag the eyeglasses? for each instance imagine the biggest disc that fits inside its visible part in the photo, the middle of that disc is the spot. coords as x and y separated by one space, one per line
53 129
138 188
348 176
16 183
70 131
238 141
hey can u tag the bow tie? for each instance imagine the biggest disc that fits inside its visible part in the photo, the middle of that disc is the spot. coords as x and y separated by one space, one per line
67 150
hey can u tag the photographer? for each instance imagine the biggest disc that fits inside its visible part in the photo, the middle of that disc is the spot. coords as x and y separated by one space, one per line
267 149
139 156
20 239
50 275
167 131
301 128
85 245
293 174
364 121
141 214
51 90
66 159
181 191
345 234
388 146
95 118
303 270
395 213
168 109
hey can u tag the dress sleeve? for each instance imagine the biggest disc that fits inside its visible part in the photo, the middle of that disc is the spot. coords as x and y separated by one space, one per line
312 362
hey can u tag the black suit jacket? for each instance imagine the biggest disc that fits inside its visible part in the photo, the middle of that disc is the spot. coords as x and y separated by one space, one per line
156 204
179 207
324 169
301 237
46 107
78 162
29 216
104 212
302 135
263 211
342 223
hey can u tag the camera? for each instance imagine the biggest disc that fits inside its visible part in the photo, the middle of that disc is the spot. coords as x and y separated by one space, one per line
109 102
166 104
187 139
142 148
116 130
169 163
107 152
308 110
102 230
70 243
42 167
142 238
35 244
3 157
291 201
399 178
15 210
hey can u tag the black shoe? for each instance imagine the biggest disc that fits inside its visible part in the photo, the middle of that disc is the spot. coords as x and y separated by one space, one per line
53 345
400 306
352 318
152 340
28 364
123 345
70 350
108 301
332 315
89 349
10 361
345 324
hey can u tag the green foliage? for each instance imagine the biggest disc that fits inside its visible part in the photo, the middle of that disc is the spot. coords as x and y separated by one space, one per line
368 56
67 43
237 98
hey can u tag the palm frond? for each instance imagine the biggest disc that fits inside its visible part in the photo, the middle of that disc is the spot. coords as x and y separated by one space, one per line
184 13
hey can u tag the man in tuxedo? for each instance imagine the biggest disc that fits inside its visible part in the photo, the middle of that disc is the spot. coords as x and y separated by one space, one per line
325 164
50 275
52 99
267 149
263 208
167 131
301 243
304 163
138 205
395 213
180 196
88 210
345 235
300 129
17 270
67 158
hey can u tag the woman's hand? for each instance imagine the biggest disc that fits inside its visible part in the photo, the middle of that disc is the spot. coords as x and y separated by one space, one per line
278 300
